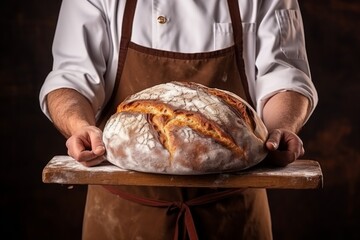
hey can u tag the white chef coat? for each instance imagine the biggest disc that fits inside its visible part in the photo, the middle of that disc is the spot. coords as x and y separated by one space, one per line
87 38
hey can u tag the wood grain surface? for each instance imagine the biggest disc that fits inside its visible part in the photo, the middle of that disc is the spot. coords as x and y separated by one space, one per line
301 174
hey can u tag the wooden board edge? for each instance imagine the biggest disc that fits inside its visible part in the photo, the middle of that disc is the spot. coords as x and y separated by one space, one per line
243 180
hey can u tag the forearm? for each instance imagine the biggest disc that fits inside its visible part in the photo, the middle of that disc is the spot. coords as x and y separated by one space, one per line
286 110
69 110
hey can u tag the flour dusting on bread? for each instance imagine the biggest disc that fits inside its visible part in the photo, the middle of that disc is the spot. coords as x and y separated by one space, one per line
184 128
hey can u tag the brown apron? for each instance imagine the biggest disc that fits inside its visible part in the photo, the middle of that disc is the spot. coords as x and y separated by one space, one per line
133 212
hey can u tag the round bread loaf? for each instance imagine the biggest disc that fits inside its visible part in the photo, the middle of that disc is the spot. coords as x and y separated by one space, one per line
186 129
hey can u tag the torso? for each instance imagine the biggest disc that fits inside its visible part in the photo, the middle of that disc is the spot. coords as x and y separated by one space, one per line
140 68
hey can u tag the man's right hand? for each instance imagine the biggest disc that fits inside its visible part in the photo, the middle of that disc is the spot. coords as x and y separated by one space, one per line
86 146
73 115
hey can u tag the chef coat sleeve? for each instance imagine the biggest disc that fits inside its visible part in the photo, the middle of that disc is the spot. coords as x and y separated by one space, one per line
80 49
281 59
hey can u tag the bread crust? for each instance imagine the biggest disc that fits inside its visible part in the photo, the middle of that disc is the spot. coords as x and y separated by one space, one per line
184 128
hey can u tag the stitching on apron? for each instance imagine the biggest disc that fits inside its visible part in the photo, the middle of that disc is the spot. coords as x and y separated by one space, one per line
179 55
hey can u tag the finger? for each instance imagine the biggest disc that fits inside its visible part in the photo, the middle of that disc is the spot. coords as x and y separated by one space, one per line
93 161
273 140
302 153
86 156
78 151
75 147
97 145
85 148
295 145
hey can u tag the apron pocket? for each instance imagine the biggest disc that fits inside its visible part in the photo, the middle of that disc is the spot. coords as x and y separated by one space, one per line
223 35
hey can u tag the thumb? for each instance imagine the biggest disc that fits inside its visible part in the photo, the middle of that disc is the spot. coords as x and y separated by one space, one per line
99 149
97 145
273 140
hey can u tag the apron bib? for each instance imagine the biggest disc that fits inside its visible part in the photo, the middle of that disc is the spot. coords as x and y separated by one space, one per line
132 212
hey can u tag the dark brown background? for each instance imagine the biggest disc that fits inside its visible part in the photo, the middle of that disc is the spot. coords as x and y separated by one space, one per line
31 209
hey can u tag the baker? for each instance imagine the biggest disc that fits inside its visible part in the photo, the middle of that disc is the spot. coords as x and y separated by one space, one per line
106 50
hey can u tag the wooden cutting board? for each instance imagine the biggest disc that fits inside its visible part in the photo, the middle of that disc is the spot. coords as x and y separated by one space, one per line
301 174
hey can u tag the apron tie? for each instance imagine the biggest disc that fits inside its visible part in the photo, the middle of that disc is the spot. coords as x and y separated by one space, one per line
183 208
185 213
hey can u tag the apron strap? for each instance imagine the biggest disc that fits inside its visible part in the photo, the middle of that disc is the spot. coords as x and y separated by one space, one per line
183 208
126 31
238 42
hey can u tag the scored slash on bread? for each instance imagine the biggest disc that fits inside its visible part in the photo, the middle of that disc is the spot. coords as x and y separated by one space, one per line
239 107
184 128
163 118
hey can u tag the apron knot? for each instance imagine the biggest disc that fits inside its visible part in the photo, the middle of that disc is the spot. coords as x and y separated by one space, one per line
175 207
184 216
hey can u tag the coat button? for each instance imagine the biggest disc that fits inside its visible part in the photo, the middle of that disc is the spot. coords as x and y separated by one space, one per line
161 19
